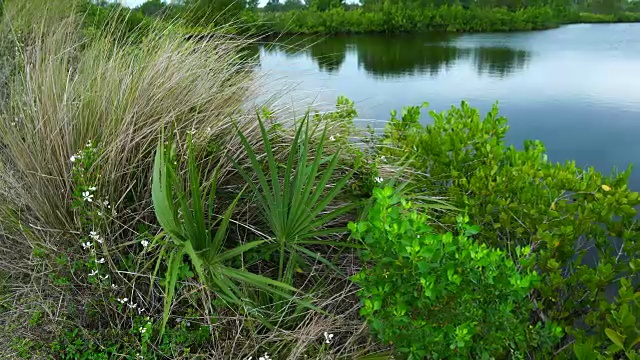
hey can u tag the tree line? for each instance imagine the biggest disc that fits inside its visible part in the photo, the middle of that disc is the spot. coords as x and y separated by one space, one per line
381 16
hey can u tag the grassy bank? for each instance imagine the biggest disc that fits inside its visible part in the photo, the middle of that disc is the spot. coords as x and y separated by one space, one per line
153 205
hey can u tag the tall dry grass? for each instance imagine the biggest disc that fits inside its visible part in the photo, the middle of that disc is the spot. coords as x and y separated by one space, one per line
68 91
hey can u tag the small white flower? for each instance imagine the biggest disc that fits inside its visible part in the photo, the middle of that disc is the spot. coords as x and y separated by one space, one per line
114 286
379 179
88 143
92 273
95 236
105 203
99 213
105 277
132 305
140 311
331 138
87 196
101 261
86 245
142 330
328 337
122 301
383 158
144 243
93 188
73 158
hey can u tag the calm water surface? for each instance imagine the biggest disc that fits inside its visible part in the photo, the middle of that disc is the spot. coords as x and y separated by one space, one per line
576 88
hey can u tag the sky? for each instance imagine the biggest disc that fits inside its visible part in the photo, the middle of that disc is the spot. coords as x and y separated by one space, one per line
133 3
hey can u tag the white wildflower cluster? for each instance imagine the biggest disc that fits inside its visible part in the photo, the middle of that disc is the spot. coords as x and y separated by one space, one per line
328 337
379 179
96 237
87 245
144 243
143 329
130 304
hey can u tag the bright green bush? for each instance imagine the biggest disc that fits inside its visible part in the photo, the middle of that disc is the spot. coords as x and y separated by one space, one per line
439 295
619 332
580 224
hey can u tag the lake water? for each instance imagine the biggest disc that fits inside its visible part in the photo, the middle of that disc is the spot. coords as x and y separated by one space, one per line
576 88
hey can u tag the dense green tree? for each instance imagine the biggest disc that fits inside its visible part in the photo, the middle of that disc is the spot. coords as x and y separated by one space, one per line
152 8
273 5
206 12
293 5
324 5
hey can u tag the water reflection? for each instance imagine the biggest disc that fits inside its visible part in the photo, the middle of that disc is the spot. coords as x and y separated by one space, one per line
329 54
405 55
499 61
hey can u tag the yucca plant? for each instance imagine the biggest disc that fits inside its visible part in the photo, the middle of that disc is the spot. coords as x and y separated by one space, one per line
187 217
293 202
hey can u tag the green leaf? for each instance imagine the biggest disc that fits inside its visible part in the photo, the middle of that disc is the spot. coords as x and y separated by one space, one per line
615 337
173 267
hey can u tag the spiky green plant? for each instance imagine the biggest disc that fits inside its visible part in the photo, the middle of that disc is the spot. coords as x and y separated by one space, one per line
186 215
294 202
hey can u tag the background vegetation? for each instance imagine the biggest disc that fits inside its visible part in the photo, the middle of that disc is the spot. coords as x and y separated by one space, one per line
392 16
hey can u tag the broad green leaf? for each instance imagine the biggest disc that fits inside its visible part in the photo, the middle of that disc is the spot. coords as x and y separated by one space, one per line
615 337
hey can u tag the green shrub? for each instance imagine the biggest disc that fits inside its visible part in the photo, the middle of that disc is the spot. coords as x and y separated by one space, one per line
616 328
440 295
521 199
397 18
